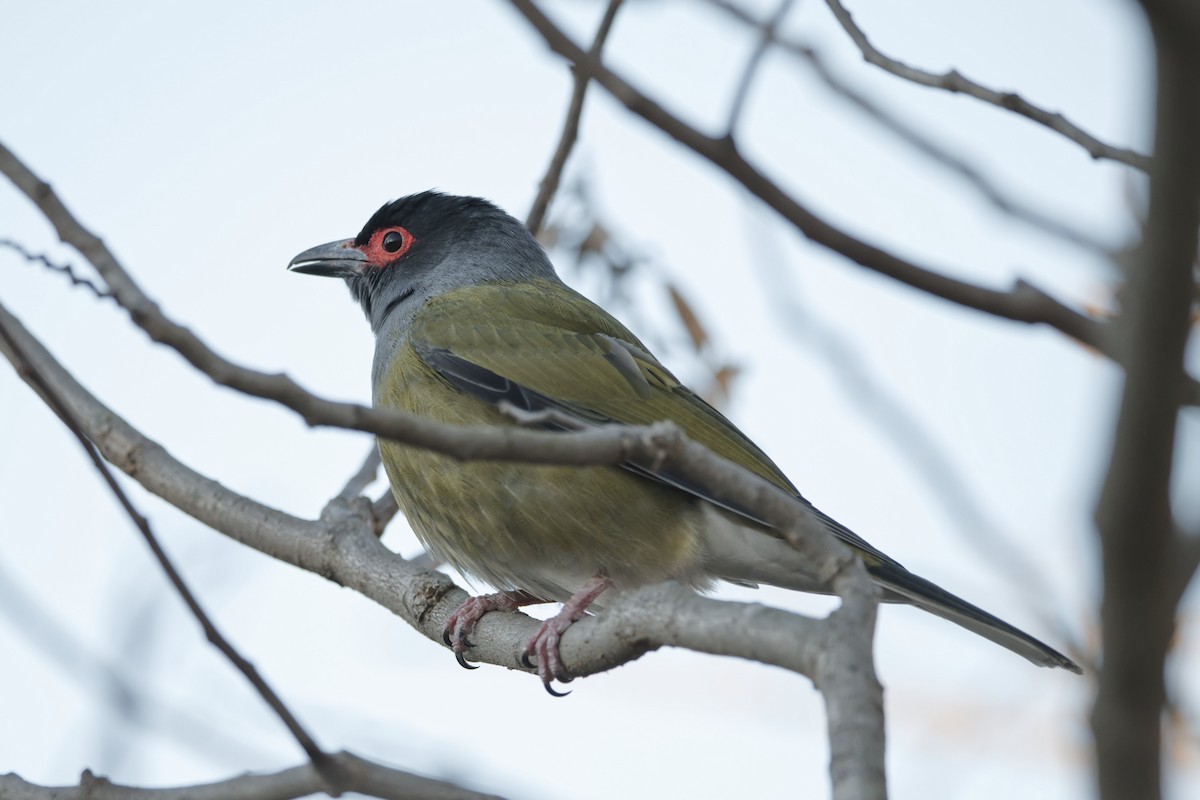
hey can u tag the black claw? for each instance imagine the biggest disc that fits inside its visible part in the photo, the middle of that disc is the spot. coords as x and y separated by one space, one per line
465 642
525 662
553 693
446 637
462 662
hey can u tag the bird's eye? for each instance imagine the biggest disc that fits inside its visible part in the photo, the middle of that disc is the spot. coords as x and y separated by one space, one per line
393 241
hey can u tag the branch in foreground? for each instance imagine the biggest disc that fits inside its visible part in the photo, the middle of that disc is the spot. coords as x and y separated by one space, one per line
478 442
953 81
834 652
1023 303
570 130
587 448
30 373
661 444
362 776
343 548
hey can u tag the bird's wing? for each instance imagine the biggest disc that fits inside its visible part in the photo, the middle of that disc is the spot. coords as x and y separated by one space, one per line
542 346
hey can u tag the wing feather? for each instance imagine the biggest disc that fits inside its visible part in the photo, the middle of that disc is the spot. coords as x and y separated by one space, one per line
544 354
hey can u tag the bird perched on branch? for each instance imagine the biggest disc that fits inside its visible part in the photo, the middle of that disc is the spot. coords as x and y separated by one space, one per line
469 319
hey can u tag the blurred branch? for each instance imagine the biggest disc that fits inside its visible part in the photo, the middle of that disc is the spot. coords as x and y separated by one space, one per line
570 130
30 373
1023 303
362 776
125 695
1138 537
767 35
916 139
953 81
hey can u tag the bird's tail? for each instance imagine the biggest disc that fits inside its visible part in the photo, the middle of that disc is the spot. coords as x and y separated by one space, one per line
910 588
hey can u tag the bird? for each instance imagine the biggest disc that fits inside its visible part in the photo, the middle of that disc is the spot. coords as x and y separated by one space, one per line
472 322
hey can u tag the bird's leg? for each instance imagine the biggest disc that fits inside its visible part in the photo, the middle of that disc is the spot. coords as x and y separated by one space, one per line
460 624
544 643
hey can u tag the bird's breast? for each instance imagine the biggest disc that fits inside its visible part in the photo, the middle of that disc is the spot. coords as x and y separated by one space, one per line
528 526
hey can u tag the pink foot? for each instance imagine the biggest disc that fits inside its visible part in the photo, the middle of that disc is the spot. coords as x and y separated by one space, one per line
461 623
544 643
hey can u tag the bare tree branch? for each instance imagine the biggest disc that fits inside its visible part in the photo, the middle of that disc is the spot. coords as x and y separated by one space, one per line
362 776
662 444
477 442
364 477
767 35
1137 532
30 373
1023 303
64 269
953 81
383 510
342 545
570 130
916 139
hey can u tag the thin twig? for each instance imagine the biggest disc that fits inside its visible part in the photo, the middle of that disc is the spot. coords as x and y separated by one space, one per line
65 269
766 38
570 130
954 81
916 139
321 761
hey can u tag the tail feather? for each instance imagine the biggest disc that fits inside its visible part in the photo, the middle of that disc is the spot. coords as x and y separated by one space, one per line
936 600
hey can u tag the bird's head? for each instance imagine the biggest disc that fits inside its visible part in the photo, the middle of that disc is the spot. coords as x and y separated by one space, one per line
425 244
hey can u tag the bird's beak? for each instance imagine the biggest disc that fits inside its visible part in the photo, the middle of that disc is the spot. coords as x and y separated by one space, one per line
333 260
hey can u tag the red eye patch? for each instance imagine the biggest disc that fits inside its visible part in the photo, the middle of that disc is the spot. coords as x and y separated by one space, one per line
386 245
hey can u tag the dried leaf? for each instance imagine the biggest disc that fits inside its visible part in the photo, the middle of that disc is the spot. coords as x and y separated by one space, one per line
718 391
595 241
725 376
691 322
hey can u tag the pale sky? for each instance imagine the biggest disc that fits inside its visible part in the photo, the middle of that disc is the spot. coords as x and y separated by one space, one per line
210 143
